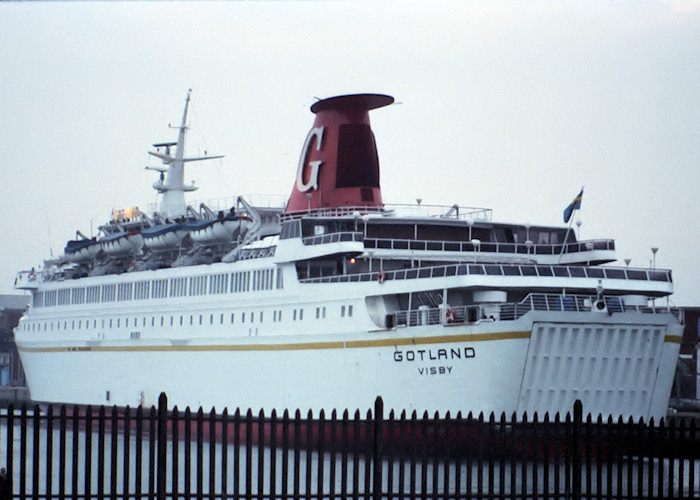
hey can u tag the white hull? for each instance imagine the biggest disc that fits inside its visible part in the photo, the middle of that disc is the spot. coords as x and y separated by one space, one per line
615 367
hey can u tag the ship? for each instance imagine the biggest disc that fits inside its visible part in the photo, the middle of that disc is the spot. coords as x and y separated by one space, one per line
334 298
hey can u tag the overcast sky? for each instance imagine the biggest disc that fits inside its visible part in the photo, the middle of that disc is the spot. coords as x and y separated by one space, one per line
508 105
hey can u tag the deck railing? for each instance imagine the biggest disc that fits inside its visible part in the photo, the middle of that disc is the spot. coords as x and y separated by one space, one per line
464 269
460 246
421 210
489 247
510 311
167 453
321 239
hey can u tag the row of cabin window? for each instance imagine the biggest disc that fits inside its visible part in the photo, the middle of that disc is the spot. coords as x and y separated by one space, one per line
297 315
212 284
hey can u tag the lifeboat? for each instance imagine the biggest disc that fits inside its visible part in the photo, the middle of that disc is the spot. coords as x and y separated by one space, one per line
163 237
82 250
122 243
210 232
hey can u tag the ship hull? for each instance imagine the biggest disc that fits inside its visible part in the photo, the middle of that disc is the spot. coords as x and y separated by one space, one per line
620 365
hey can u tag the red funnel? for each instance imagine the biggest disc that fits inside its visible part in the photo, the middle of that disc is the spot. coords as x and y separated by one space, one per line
339 166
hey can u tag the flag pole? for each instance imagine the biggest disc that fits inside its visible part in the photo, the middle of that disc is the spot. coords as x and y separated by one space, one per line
568 230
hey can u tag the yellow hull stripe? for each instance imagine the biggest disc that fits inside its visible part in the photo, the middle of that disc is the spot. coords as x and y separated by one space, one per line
301 346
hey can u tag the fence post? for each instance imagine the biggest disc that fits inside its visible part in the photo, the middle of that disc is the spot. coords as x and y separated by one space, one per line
162 436
576 450
5 488
7 483
376 447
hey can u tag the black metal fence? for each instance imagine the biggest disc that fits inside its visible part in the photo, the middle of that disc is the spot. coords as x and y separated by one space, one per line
109 452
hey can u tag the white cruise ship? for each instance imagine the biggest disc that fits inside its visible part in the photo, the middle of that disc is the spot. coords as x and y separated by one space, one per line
338 298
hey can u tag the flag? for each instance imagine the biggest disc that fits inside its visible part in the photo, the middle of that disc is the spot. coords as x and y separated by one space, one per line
574 205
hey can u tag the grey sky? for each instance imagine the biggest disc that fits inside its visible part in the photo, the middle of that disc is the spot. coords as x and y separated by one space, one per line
508 105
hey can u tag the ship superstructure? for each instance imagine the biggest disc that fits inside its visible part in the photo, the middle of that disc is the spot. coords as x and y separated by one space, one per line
338 298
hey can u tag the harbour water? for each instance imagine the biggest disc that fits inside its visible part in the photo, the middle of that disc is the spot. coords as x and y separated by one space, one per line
126 466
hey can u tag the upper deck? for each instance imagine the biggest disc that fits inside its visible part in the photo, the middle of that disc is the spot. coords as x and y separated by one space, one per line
444 233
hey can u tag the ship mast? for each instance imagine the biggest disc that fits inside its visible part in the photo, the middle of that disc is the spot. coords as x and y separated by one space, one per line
172 179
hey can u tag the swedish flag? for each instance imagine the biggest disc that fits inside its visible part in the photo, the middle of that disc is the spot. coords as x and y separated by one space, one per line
574 205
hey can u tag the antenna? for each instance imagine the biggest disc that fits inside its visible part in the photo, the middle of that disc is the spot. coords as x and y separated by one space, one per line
48 230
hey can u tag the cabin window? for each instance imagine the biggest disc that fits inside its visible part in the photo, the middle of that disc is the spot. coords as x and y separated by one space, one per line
342 311
279 278
178 287
242 317
290 229
124 291
198 285
142 290
160 289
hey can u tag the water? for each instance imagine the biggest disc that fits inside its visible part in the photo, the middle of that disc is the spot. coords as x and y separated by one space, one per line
227 471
